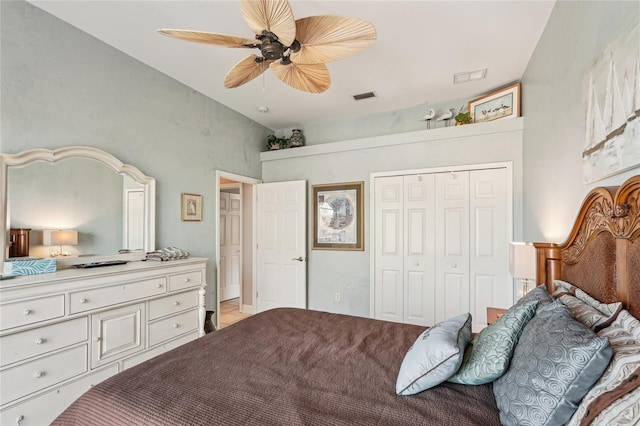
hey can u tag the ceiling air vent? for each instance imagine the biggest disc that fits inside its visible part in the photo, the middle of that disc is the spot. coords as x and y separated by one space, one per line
362 96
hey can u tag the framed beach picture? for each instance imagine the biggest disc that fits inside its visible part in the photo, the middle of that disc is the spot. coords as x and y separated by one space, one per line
338 216
191 207
504 103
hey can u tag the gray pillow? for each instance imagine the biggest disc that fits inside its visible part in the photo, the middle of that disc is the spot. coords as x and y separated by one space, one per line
435 355
540 294
554 365
489 355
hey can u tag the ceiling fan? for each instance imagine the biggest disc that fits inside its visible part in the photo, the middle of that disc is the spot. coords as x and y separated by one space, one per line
295 50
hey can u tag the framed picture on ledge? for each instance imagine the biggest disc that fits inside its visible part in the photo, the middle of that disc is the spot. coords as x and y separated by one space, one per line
338 216
503 103
191 207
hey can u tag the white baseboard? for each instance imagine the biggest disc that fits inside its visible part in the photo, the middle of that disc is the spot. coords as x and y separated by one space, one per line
248 309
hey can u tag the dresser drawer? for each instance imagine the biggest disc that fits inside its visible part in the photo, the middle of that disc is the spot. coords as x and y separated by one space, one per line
84 300
176 325
172 304
31 311
186 280
20 346
16 382
43 409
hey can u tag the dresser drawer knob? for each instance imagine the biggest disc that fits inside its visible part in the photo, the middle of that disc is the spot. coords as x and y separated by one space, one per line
186 280
97 338
158 285
27 312
19 419
39 374
83 300
176 325
176 303
40 341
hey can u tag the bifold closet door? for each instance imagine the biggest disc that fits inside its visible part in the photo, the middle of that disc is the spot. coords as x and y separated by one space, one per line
452 244
419 260
441 246
404 249
488 243
389 250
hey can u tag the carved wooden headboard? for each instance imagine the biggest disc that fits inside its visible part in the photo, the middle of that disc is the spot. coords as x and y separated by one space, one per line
602 254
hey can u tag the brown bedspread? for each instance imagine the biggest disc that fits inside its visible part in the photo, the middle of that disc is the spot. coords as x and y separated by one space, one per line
282 367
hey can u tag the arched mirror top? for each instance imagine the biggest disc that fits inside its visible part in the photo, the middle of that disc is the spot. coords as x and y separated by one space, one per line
131 221
54 155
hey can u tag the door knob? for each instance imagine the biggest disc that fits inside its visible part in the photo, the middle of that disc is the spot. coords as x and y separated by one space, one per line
299 259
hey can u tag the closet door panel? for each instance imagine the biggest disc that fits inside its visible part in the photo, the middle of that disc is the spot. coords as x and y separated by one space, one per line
489 256
419 270
452 244
389 253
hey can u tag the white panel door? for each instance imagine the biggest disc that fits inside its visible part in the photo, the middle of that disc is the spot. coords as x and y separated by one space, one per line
419 253
230 245
452 244
490 285
389 249
282 242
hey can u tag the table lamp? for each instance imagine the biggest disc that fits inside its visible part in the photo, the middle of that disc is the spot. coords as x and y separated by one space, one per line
522 264
59 238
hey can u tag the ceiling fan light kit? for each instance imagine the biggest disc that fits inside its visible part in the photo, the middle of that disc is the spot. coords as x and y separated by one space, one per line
295 50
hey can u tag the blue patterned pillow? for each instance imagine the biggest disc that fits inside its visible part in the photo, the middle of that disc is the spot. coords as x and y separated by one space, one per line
489 355
556 362
435 355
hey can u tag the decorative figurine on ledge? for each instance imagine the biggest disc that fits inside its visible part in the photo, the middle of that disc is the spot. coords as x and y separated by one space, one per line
296 139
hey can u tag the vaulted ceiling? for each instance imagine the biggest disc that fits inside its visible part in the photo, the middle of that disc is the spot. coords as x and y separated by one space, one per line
420 46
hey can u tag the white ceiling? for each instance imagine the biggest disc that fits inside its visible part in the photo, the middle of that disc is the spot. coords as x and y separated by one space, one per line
420 46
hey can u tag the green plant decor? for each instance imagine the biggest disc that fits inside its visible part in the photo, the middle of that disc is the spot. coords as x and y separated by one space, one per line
463 118
274 143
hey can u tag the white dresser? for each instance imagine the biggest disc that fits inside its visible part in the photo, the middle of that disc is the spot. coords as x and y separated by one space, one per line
63 332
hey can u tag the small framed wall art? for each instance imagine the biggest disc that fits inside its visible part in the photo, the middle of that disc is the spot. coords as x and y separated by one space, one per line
338 216
191 207
503 103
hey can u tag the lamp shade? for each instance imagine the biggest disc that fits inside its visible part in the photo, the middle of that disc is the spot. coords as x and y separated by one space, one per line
522 260
66 237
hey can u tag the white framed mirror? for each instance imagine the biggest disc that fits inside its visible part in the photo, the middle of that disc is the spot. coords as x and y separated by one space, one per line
111 205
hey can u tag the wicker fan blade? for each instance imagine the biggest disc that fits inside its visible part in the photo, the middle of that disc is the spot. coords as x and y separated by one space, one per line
329 38
313 78
270 15
211 38
244 71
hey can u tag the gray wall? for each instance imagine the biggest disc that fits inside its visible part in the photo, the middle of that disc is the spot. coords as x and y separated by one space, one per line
554 111
347 272
63 87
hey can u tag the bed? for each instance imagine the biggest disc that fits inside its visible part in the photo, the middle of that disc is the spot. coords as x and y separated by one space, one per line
294 367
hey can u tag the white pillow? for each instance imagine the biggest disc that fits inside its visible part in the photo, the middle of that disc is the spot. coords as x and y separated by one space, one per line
435 356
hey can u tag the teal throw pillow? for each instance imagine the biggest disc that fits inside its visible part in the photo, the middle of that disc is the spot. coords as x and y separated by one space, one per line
488 357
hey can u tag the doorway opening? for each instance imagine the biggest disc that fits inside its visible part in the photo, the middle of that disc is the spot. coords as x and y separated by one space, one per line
235 240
